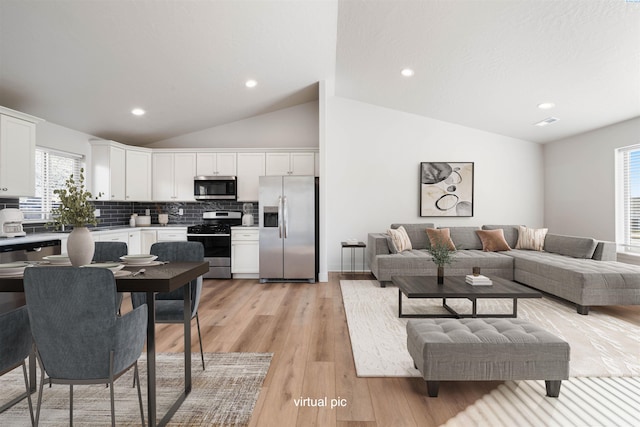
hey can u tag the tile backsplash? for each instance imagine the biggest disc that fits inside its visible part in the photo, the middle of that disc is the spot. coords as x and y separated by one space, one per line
118 213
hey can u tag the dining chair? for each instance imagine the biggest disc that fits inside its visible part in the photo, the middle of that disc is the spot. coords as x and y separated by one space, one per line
170 305
78 336
110 252
15 345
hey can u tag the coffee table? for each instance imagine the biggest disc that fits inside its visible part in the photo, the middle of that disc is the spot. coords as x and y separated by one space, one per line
456 287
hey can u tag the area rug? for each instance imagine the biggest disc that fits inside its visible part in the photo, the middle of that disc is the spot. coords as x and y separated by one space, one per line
223 395
601 345
582 402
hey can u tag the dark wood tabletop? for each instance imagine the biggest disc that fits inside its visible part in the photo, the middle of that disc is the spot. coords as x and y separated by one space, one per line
457 287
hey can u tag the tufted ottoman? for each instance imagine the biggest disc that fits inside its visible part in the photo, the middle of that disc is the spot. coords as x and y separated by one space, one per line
486 349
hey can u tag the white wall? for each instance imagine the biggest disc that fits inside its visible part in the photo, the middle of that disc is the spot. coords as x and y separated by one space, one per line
294 127
373 156
580 180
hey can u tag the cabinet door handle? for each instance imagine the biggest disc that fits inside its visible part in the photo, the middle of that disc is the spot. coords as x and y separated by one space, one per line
5 189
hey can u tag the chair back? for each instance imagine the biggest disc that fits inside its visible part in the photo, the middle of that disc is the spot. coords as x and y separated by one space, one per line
15 338
109 251
73 314
181 251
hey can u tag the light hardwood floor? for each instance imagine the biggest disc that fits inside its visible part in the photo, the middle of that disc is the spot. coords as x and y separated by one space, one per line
304 326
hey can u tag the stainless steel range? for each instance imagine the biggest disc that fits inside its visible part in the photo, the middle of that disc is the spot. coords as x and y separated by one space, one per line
215 235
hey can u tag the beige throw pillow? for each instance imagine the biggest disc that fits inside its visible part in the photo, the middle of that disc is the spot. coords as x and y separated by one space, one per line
493 240
440 236
400 238
531 238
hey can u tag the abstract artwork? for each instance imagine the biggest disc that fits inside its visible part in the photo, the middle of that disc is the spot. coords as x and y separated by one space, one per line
446 189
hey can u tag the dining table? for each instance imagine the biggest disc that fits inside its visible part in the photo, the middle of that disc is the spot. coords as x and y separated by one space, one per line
157 277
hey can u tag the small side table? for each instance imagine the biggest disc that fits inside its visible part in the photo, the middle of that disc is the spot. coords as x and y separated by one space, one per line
353 247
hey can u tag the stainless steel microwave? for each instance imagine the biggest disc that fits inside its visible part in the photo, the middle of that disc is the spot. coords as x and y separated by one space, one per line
215 187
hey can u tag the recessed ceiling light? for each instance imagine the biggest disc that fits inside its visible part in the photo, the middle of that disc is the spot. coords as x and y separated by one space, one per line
251 83
546 105
547 121
138 112
407 72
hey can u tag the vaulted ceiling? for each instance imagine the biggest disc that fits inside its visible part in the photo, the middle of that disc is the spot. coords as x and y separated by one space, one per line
485 64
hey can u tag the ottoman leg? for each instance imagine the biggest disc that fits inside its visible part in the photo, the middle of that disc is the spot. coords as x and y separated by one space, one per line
553 388
432 388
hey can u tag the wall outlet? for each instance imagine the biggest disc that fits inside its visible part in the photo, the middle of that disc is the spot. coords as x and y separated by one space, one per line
147 212
180 212
97 213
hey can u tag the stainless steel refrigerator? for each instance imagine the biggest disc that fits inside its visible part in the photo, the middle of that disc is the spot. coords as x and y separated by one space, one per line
287 221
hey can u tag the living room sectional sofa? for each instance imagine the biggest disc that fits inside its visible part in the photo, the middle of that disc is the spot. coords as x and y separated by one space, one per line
578 269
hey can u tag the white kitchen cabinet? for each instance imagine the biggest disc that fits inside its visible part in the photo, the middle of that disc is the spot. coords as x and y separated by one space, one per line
17 156
251 166
147 238
172 235
173 176
111 236
245 252
290 163
135 241
138 175
213 164
108 170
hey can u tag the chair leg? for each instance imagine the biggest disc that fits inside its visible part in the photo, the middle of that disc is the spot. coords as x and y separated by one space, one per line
113 405
136 376
40 394
70 405
200 339
26 384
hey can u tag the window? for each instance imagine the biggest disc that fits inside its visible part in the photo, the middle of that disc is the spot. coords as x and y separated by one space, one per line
628 197
52 170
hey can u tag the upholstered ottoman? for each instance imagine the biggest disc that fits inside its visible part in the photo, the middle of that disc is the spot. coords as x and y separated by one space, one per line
486 349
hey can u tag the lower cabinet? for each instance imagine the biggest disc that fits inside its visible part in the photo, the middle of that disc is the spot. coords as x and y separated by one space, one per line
245 252
147 238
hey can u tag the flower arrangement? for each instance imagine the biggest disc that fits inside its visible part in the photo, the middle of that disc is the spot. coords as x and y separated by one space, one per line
441 253
75 206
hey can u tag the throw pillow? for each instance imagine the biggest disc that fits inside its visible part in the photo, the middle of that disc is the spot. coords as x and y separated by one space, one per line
531 238
400 238
493 240
440 236
391 245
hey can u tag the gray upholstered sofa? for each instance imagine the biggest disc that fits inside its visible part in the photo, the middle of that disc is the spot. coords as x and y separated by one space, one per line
579 269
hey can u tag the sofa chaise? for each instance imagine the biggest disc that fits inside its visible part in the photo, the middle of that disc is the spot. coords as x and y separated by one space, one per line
581 270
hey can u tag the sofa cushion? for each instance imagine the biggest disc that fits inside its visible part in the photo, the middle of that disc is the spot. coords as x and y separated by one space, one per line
510 233
440 236
416 233
493 240
576 247
531 238
399 240
465 237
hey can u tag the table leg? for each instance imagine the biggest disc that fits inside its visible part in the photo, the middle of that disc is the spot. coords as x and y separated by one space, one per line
399 303
151 357
515 307
187 338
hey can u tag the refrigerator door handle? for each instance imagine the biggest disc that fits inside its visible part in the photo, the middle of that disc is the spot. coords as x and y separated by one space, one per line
286 216
280 217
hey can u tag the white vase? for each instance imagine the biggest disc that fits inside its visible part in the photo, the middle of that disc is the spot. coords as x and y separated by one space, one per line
80 246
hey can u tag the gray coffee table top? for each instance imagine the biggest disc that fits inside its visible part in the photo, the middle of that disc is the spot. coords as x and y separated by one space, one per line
457 287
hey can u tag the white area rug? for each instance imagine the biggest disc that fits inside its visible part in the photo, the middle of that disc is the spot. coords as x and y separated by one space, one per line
601 345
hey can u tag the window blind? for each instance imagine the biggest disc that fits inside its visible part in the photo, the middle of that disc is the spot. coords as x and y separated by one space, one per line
52 170
629 201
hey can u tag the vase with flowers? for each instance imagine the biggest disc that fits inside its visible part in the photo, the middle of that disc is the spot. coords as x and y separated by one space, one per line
77 210
442 255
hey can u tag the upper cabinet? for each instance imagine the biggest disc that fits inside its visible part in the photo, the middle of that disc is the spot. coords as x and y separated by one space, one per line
138 175
290 163
173 176
212 164
17 153
251 166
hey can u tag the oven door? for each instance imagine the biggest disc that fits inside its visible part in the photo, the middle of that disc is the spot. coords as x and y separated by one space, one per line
217 252
215 187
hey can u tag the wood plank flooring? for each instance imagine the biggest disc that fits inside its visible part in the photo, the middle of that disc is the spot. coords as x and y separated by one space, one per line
305 327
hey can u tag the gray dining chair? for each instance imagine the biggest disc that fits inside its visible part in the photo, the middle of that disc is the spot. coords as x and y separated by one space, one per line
78 336
170 305
110 252
15 346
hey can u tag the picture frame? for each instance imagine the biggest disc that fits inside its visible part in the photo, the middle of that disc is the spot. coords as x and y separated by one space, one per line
446 189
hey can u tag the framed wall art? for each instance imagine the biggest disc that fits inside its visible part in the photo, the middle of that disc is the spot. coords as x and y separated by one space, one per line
446 189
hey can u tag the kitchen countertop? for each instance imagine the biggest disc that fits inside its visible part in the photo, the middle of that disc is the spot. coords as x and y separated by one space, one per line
54 235
244 227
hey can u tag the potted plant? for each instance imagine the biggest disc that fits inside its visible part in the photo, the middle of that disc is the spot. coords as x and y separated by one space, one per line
442 255
76 209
